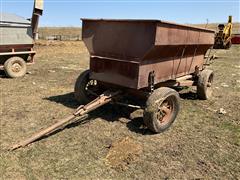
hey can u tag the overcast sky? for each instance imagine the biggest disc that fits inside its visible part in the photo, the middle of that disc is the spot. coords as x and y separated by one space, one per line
68 13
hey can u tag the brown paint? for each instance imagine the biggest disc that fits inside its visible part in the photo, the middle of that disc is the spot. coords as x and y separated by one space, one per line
124 52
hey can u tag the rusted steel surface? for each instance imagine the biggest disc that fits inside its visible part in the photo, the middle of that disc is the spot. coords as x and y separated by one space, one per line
125 52
4 48
24 50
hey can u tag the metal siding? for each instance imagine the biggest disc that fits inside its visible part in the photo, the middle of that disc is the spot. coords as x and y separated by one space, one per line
8 17
15 35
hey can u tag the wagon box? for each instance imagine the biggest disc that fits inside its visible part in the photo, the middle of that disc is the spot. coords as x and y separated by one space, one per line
126 52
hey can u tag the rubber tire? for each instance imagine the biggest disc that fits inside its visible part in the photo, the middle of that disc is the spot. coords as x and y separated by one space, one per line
202 83
156 99
8 67
79 89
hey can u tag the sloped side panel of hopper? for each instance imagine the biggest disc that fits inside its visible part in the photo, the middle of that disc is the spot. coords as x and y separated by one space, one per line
178 51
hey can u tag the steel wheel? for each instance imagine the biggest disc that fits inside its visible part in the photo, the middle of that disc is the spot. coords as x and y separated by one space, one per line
91 88
165 111
86 89
161 110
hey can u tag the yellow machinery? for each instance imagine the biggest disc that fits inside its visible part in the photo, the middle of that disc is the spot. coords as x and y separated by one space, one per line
224 35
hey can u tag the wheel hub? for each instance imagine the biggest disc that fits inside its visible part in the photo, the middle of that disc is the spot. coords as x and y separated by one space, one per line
92 88
209 87
16 67
165 111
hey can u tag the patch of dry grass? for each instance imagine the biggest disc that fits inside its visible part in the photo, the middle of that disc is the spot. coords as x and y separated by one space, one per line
65 31
201 143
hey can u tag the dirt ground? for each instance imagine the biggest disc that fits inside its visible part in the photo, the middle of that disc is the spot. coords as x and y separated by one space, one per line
202 143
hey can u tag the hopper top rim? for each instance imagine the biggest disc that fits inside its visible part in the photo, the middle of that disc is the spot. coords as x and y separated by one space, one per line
149 20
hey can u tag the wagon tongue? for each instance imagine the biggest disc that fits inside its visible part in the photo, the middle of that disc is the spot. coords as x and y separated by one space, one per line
105 98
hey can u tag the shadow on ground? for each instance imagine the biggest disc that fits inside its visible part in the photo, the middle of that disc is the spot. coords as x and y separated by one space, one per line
111 112
188 95
2 74
67 100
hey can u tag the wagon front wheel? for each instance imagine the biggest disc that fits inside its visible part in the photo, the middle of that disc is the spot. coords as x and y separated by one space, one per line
161 110
15 67
85 89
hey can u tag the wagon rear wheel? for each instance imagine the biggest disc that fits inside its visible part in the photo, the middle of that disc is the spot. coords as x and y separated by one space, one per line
161 110
85 89
204 85
15 67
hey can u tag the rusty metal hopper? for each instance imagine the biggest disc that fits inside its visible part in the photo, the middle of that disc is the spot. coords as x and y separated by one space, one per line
124 52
